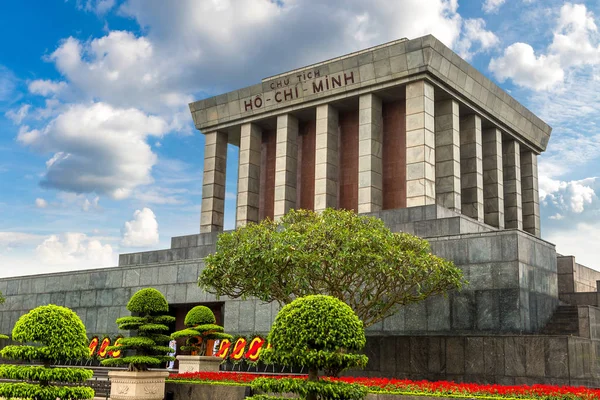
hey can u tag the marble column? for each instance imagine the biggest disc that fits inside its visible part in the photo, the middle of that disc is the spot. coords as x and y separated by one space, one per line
326 158
530 193
370 164
471 167
249 174
447 154
420 144
213 182
513 209
493 182
286 165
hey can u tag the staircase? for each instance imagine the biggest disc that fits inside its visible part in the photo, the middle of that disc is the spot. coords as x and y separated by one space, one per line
564 321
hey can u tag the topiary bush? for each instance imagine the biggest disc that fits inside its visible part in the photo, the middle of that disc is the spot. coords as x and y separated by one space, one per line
150 346
201 327
321 333
56 334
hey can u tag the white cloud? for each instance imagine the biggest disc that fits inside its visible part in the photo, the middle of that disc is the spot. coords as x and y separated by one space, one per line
573 37
90 205
8 84
97 148
71 249
19 115
193 47
41 203
575 44
474 32
158 195
10 240
571 197
580 240
141 231
492 6
520 64
45 87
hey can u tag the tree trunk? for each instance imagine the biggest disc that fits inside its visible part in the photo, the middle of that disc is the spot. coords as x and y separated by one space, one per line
313 376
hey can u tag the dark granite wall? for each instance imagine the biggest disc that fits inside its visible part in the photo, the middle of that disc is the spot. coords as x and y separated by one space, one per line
505 360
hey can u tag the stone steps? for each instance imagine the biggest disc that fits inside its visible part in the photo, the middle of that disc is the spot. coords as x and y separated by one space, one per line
564 321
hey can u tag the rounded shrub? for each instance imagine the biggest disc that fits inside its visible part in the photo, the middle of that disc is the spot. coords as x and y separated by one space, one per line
148 301
150 346
200 315
201 327
55 334
319 333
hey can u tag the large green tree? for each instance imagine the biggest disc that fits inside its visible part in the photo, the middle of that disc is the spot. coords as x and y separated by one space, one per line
338 253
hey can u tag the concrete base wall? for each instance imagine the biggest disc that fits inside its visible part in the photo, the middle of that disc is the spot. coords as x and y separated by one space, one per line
512 285
508 360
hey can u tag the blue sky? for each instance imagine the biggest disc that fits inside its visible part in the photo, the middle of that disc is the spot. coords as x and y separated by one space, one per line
98 154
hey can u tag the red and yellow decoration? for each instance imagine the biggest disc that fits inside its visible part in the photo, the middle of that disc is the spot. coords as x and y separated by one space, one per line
100 348
223 349
93 345
116 353
103 352
254 349
242 349
238 349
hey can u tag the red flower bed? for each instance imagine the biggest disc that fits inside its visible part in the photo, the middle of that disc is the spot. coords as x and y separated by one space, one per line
415 387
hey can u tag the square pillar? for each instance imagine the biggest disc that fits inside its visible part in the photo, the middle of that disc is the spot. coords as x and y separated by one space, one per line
493 182
248 175
420 144
530 193
513 209
286 165
447 154
370 152
326 158
471 167
213 182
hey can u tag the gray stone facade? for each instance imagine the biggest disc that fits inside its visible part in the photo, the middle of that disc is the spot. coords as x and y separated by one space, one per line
512 282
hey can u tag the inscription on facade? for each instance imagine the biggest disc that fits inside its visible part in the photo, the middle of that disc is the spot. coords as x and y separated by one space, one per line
297 86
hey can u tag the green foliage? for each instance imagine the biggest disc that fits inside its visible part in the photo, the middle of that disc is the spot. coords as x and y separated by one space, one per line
321 389
148 301
150 346
321 333
58 328
201 327
31 373
2 299
3 336
199 315
56 334
37 392
336 252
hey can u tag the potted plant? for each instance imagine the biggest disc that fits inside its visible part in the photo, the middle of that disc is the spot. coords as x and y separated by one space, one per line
321 333
147 349
55 334
201 328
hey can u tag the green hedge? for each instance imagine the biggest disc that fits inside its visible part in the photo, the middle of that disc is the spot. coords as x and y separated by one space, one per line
56 334
322 389
34 373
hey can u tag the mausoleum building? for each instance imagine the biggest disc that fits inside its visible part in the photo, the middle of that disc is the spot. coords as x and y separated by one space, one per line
408 132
